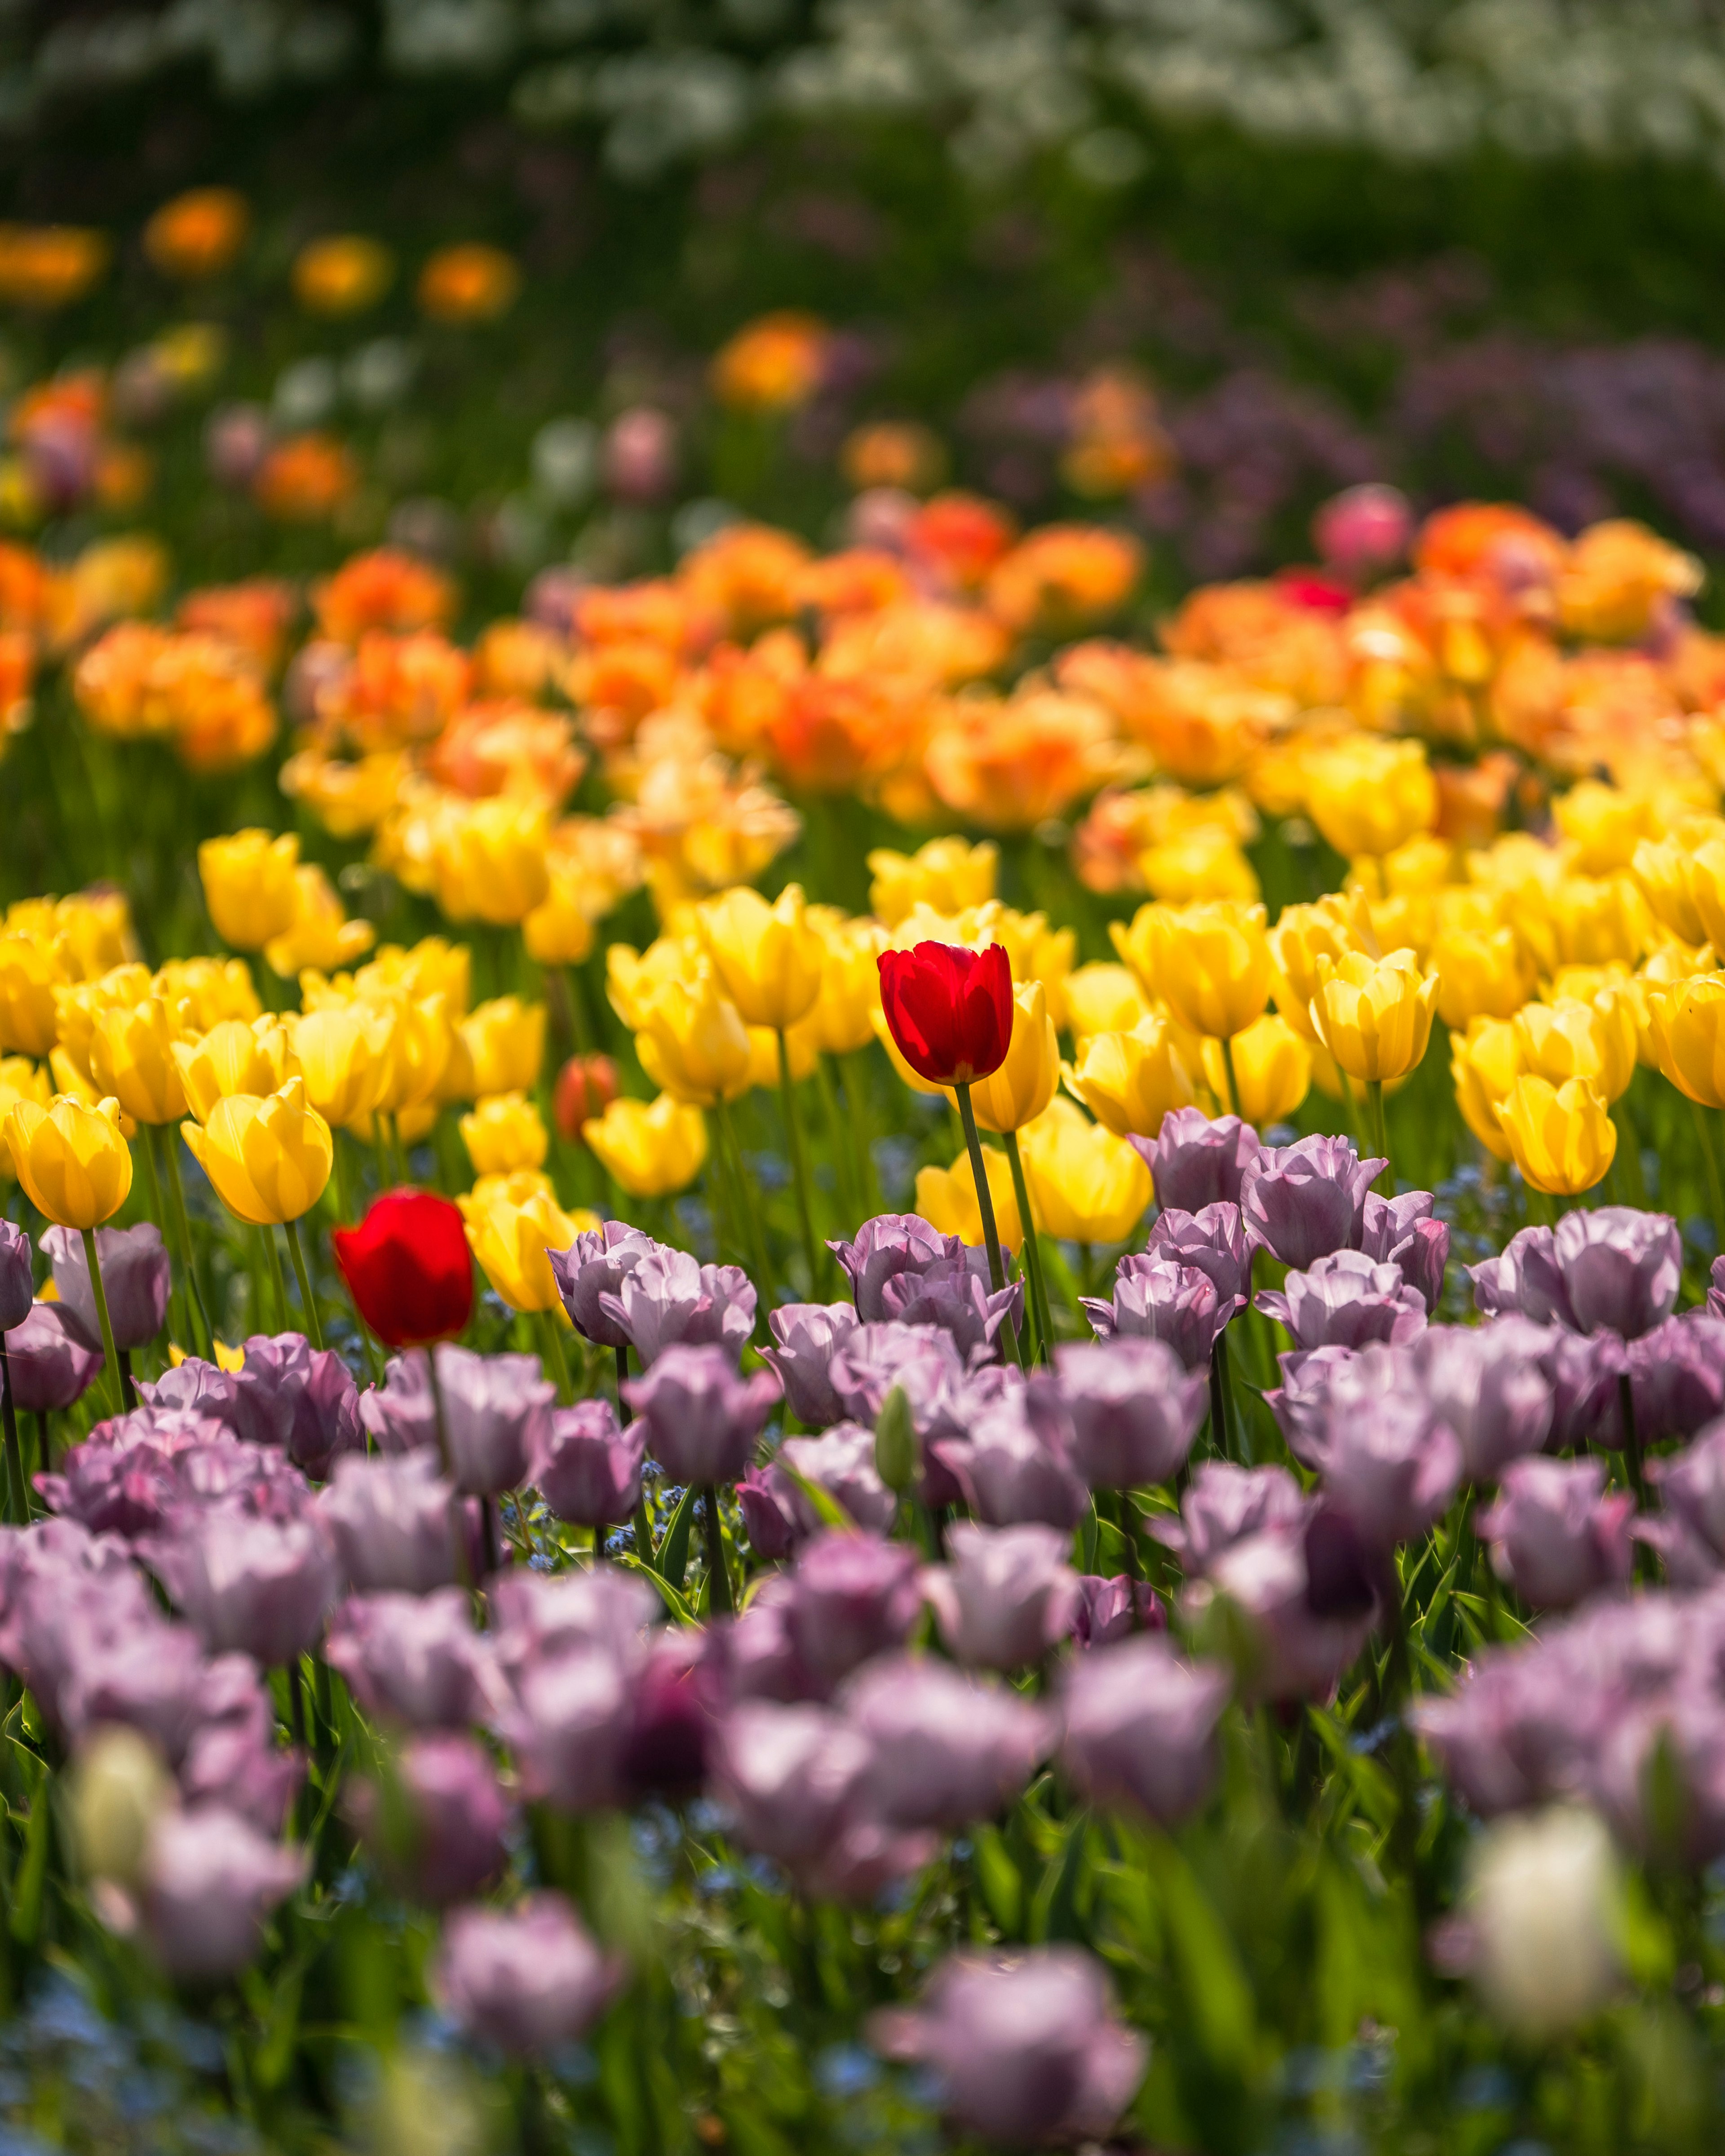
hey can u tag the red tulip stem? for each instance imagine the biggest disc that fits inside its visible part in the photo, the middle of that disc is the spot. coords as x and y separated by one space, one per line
1032 1252
800 1162
122 1385
314 1324
985 1199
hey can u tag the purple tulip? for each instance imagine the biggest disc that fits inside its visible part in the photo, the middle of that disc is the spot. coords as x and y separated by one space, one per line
1224 1504
679 1697
1677 1375
1514 1733
413 1658
233 1758
587 1469
947 1749
1212 1241
136 1278
597 1263
1388 1466
702 1419
925 1361
1157 1298
1485 1384
953 1297
1345 1301
525 1979
841 1461
761 1662
1139 1727
1555 1536
1303 1628
763 1497
203 1388
147 1676
1024 2050
1198 1160
852 1597
1011 1472
255 1586
1004 1596
51 1368
569 1722
667 1297
1716 1287
1301 1400
1583 1371
1304 1201
806 1336
1400 1231
394 1523
1130 1408
17 1284
890 1245
210 1882
496 1412
1613 1269
1110 1609
535 1615
311 1396
1689 1532
438 1818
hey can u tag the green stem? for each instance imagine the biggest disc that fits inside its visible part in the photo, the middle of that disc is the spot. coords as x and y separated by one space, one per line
868 1190
122 1389
985 1202
751 1212
556 1360
1233 1106
1032 1252
580 1026
842 1164
314 1324
1379 1132
719 1602
799 1163
197 1302
278 1279
1220 1434
20 1508
1703 1131
158 1213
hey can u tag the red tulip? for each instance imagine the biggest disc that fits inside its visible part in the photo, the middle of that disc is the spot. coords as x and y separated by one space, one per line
587 1086
408 1265
949 1010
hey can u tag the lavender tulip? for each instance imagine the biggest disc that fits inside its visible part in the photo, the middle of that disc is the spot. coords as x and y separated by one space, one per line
947 1749
1023 2051
1555 1536
1212 1241
886 1247
570 1719
1004 1596
1611 1268
587 1469
1583 1371
535 1615
438 1818
203 1388
1676 1376
761 1661
51 1367
1303 1628
851 1598
596 1263
1401 1231
413 1658
763 1497
496 1412
668 1297
136 1278
1011 1472
1157 1298
1110 1609
702 1419
310 1394
1224 1505
806 1336
1198 1160
679 1697
525 1979
1485 1384
210 1882
954 1297
259 1586
1345 1301
1301 1402
841 1461
1130 1408
395 1523
147 1676
1304 1201
16 1288
1690 1532
1391 1469
233 1758
923 1362
790 1775
1139 1727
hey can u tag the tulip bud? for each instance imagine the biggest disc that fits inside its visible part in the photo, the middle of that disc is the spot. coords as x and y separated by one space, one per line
650 1148
586 1086
249 887
896 1442
119 1784
1374 1016
1561 1137
1546 1917
74 1163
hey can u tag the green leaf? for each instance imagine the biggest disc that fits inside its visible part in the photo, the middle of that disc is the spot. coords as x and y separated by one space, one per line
826 1508
1371 1783
675 1601
1214 1989
1054 1914
998 1879
673 1559
26 1917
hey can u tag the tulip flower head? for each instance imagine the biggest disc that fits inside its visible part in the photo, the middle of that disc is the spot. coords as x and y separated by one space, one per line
268 1156
768 958
950 1011
1374 1015
408 1267
651 1149
71 1159
1562 1138
248 886
513 1223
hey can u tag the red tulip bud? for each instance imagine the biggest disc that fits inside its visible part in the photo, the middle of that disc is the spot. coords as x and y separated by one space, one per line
587 1086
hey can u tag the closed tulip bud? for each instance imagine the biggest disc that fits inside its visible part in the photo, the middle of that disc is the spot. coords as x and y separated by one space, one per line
896 1460
1210 964
408 1268
268 1156
948 1010
1022 1087
946 1198
72 1161
249 887
1129 1081
1272 1070
768 958
1085 1185
1374 1015
693 1043
586 1086
842 1020
503 1133
1484 1064
505 1040
1570 1038
1688 1028
1370 794
651 1149
231 1058
1562 1138
1481 973
342 1053
1301 935
513 1221
131 1056
28 972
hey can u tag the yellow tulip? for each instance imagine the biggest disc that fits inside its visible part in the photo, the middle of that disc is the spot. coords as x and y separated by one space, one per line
1604 826
1194 865
1374 1014
1023 1086
1662 869
1670 967
634 977
506 1039
947 874
559 930
768 958
250 886
1104 998
801 1045
1562 1138
504 1132
1588 920
20 1080
1484 1064
80 1003
513 1222
72 1161
1481 972
1688 1026
1129 1081
215 988
343 1055
432 967
946 1198
489 861
650 1148
71 1081
693 1044
843 1016
132 1057
423 1044
1370 794
1272 1071
320 933
231 1058
268 1156
1707 887
1085 1185
1303 935
28 973
1210 964
1595 1040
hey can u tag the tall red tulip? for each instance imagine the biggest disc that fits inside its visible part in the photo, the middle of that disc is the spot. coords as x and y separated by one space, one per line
949 1010
408 1267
